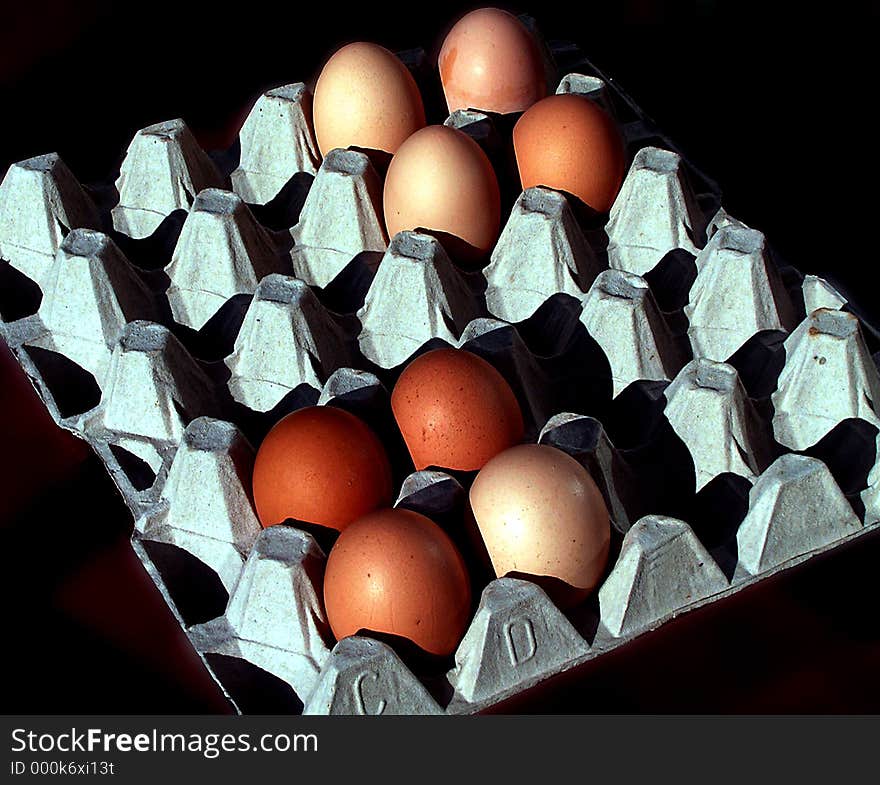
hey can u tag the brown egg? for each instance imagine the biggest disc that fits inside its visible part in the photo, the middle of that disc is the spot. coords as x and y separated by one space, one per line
321 465
397 572
541 515
455 410
490 61
441 181
569 143
366 97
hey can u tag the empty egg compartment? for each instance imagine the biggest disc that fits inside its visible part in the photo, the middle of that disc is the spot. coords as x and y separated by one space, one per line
173 326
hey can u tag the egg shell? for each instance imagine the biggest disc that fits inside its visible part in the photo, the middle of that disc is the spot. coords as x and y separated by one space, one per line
569 143
541 514
397 572
491 62
455 410
366 97
441 181
321 465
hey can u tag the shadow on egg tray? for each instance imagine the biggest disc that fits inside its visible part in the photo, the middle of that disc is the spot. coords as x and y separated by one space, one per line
324 536
580 607
759 361
74 389
564 595
254 690
849 450
282 211
465 255
425 666
715 513
226 159
635 413
553 326
195 588
671 279
215 340
153 252
588 218
380 159
19 295
347 292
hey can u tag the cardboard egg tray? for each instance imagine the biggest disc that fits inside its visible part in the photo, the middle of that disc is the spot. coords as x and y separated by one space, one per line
723 402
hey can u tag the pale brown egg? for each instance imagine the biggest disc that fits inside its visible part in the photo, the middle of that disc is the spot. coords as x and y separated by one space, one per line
569 143
395 571
366 97
455 410
541 516
440 181
490 61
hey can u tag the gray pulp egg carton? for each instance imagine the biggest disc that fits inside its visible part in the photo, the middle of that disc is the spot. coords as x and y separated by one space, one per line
170 317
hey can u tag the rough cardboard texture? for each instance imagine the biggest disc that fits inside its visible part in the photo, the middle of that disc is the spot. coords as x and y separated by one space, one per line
585 321
277 142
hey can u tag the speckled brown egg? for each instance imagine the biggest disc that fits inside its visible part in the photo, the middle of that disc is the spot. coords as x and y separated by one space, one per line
455 410
569 143
320 465
366 97
397 572
490 61
540 514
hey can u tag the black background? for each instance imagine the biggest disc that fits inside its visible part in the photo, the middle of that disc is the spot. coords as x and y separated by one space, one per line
774 101
776 104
